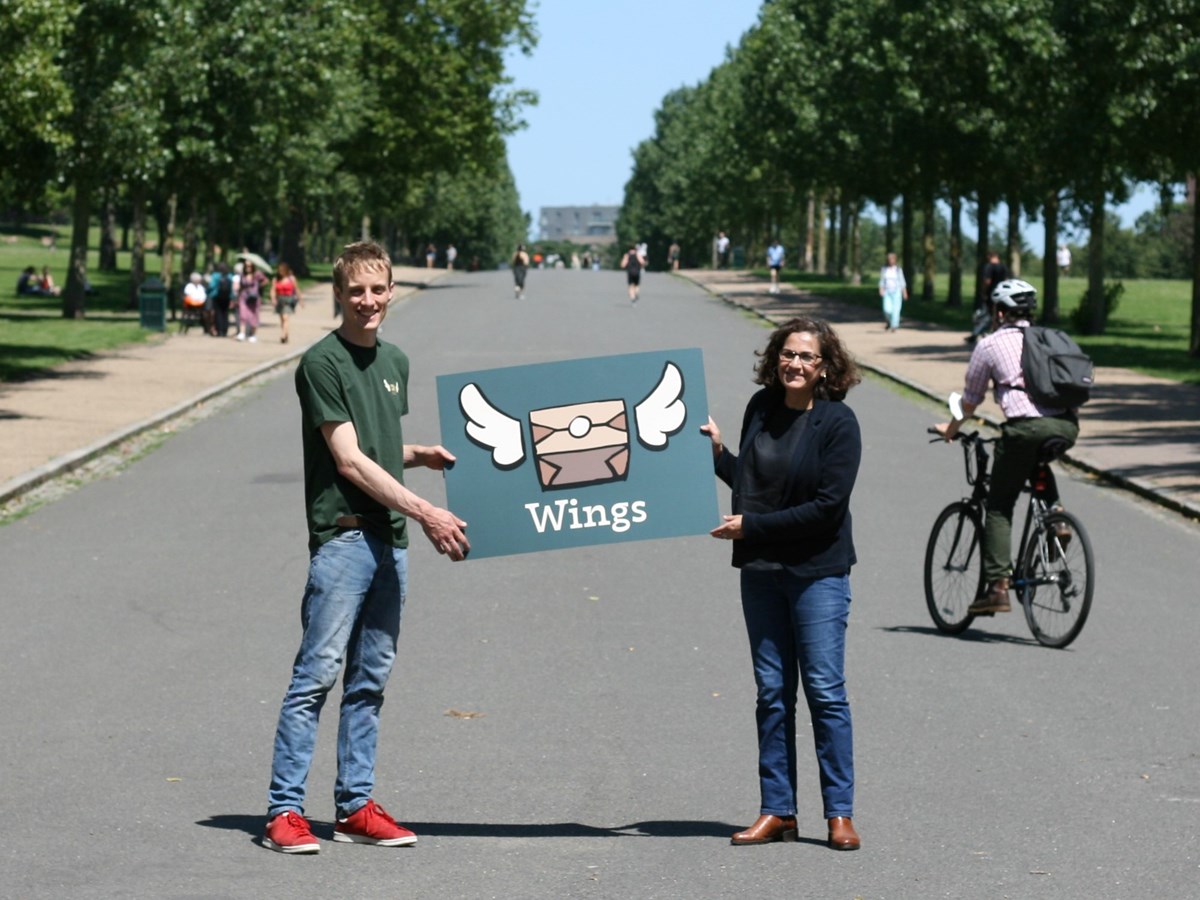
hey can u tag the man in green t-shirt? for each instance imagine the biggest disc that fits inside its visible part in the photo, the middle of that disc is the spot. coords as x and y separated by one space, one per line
353 390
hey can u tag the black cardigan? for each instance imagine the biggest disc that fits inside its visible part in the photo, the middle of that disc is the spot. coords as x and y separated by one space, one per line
810 534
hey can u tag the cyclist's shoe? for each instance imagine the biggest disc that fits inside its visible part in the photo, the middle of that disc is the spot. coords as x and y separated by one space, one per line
993 601
1062 536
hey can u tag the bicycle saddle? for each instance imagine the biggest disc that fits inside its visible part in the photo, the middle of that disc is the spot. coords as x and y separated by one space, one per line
1052 448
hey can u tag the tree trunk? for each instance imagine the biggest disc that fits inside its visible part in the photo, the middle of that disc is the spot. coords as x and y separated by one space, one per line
191 239
1194 343
889 228
293 251
1050 260
137 260
835 238
365 232
928 247
809 227
906 238
210 237
1014 237
822 238
844 238
75 292
955 296
108 234
982 236
855 245
1096 311
168 253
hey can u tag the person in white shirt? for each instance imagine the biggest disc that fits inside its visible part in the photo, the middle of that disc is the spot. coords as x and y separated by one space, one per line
1063 258
894 291
775 257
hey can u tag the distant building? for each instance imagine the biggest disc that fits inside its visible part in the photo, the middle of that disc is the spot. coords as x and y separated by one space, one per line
588 225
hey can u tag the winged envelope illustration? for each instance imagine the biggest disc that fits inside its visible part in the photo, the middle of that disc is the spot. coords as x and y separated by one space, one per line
578 443
581 443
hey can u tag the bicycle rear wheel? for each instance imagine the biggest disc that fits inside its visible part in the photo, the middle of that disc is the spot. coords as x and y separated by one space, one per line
1056 581
954 567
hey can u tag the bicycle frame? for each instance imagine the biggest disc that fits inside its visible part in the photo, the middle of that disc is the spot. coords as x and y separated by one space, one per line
976 461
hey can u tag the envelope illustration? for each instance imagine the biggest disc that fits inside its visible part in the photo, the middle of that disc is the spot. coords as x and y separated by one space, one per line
583 443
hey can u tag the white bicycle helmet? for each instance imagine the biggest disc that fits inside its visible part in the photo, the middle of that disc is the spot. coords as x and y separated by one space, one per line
1013 294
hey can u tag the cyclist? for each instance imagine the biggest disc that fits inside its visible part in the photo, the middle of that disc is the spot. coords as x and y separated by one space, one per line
996 360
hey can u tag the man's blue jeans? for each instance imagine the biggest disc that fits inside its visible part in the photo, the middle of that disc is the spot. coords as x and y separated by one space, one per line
797 630
350 615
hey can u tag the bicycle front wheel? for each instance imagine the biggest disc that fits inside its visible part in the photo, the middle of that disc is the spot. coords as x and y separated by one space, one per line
1056 580
954 567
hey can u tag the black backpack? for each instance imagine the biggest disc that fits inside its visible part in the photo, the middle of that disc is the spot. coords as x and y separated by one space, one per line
225 286
1057 372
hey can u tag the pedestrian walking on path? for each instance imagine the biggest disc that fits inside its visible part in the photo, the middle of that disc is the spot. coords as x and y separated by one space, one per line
353 390
633 262
792 477
250 289
894 291
775 257
285 295
520 266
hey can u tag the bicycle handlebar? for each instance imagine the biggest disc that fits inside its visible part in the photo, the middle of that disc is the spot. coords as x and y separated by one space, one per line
967 437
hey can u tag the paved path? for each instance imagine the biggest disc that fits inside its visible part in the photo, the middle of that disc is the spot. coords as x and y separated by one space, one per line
1139 431
50 425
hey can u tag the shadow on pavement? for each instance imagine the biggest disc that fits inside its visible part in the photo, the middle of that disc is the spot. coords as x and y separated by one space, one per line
253 825
978 637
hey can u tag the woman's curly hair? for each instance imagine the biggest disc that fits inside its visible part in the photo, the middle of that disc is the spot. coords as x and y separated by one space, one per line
839 371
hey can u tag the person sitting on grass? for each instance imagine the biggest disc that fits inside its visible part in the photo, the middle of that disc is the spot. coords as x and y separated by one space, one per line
28 284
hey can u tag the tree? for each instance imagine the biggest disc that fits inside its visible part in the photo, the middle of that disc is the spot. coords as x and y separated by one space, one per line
111 108
35 96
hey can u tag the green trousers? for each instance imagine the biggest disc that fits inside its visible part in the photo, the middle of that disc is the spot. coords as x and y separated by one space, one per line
1015 456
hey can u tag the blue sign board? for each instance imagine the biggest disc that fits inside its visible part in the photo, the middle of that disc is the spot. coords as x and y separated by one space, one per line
586 451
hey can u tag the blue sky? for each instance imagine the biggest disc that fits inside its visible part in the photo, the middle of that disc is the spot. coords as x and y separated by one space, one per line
601 70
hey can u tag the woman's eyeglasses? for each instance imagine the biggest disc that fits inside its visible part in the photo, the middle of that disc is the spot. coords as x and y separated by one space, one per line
803 356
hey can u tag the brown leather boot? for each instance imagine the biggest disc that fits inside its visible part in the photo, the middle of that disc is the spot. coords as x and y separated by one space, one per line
767 830
842 835
994 601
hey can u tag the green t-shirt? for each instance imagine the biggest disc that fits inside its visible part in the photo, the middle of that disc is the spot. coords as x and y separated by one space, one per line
368 386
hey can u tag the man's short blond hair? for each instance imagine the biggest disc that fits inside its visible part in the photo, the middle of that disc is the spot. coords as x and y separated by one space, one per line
355 258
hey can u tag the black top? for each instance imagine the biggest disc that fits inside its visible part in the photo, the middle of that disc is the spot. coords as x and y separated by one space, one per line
803 521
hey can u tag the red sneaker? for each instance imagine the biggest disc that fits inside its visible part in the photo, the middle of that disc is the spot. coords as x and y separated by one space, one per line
288 832
371 825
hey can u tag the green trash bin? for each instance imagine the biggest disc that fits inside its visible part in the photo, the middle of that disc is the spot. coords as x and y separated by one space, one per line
152 304
739 258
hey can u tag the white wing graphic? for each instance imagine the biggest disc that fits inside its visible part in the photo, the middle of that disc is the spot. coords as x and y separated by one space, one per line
490 428
662 413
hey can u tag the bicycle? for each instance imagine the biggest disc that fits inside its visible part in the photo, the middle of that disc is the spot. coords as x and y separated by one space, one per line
1054 573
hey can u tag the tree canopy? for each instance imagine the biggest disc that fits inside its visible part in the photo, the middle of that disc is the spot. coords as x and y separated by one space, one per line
825 105
274 124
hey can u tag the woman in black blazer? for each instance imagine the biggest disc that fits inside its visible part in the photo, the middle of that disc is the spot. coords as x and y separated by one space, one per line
792 541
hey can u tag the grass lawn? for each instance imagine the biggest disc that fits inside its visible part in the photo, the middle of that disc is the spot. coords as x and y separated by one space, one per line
33 334
1148 333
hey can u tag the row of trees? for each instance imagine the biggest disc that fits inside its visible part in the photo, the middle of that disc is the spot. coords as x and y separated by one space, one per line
255 122
1052 107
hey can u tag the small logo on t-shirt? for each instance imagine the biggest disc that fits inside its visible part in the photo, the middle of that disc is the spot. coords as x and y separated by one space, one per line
393 387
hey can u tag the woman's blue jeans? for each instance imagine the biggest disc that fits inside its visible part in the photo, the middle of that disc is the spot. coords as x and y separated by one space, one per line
797 630
350 615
